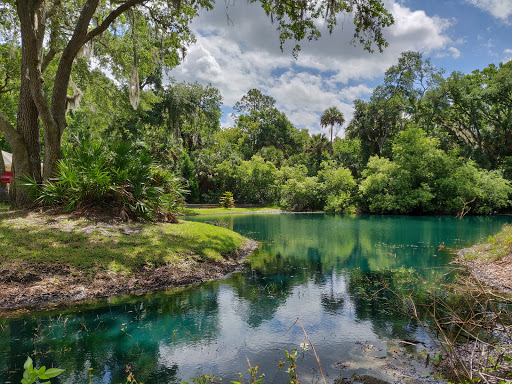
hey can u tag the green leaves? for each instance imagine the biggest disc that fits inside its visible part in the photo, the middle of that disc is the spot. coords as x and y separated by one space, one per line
28 364
422 178
331 117
31 375
119 176
298 20
49 373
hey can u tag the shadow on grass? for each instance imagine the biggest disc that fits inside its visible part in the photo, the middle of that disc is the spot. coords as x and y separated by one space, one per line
6 213
95 252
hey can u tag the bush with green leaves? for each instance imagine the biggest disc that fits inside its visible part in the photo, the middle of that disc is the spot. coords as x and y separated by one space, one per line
333 190
251 181
422 178
120 176
489 190
227 200
302 195
339 188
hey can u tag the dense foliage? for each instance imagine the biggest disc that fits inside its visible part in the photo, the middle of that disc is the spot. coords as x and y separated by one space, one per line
422 178
55 45
421 144
119 176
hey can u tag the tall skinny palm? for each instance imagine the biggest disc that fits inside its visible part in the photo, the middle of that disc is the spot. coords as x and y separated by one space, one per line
331 117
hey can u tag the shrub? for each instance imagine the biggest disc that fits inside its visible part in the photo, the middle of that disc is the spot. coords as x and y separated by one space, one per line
424 179
378 188
468 182
227 200
252 181
121 176
339 203
339 187
306 195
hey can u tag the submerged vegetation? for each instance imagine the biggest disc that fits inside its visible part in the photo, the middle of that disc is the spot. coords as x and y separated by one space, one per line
470 324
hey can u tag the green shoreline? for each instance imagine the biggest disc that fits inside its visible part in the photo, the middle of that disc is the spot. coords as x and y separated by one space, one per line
490 262
58 258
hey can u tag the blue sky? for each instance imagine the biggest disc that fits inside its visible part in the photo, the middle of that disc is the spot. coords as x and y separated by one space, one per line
237 49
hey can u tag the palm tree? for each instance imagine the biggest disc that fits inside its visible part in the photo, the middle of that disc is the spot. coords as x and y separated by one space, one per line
331 117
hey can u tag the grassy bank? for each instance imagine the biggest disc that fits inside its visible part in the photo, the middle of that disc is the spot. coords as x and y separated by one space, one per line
228 211
495 249
491 262
470 318
61 254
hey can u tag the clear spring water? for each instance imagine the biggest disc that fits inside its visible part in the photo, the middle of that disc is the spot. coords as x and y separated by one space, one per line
308 266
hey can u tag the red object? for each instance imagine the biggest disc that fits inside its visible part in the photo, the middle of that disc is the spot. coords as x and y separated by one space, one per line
6 178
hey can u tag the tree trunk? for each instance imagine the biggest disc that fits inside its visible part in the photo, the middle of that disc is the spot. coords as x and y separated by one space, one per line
3 187
27 154
28 123
52 152
25 141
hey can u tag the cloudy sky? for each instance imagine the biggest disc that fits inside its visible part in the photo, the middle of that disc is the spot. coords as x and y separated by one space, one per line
238 49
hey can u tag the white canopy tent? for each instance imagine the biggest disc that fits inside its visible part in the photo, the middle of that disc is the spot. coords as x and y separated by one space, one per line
7 160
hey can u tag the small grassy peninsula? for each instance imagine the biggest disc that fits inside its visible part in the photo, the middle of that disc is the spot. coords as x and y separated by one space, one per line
55 258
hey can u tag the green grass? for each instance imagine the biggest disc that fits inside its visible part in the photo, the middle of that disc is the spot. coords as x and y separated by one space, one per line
224 211
496 247
94 248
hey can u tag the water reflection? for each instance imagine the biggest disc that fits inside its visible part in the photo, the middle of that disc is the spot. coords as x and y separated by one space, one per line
316 267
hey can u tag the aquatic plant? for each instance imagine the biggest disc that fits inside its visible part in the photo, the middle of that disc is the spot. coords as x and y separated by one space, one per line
31 374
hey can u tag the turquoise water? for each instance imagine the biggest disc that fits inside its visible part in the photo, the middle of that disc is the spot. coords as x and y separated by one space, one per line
308 266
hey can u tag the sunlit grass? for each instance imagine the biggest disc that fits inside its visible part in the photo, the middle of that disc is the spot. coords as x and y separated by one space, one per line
94 248
496 247
224 211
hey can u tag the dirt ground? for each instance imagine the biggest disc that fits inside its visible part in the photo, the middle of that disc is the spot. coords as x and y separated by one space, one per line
42 286
24 285
496 274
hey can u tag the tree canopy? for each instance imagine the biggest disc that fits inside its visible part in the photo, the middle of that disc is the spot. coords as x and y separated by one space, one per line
132 39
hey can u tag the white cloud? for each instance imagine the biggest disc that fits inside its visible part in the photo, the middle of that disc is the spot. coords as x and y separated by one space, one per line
417 29
455 52
450 51
228 120
508 55
355 92
243 53
500 9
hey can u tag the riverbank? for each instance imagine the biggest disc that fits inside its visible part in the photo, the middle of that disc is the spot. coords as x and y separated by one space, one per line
474 319
228 211
491 262
56 258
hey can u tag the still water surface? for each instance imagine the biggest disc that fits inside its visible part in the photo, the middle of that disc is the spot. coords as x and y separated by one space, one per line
305 267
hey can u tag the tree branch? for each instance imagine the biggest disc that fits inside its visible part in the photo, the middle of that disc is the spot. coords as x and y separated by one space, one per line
77 41
32 20
9 132
111 17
